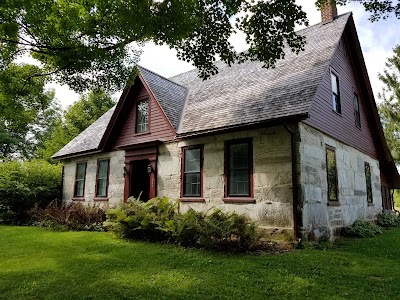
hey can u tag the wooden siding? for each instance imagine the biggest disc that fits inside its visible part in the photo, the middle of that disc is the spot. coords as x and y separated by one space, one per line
342 127
159 127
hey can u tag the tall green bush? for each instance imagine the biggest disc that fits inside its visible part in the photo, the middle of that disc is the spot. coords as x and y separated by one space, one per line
22 184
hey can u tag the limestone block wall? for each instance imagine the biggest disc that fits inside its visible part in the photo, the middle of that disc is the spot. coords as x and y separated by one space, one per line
319 219
116 178
272 175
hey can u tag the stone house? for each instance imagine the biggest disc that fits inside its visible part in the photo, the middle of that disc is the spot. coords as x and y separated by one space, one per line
299 146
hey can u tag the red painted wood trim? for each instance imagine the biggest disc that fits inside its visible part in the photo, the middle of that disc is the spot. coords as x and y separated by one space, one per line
249 141
148 89
201 147
192 199
239 200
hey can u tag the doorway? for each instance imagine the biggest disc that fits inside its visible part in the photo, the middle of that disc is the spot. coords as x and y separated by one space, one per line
140 179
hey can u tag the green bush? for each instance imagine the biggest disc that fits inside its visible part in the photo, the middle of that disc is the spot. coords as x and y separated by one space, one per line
159 220
22 184
388 220
72 216
361 229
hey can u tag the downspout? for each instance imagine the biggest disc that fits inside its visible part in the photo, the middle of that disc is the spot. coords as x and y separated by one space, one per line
297 211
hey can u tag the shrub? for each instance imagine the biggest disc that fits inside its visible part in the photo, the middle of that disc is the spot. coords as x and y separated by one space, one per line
158 220
388 220
22 184
72 216
361 229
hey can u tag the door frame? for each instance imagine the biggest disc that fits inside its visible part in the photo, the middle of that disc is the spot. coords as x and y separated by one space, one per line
148 150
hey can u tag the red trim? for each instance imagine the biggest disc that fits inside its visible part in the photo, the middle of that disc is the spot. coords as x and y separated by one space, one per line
192 199
96 197
78 198
228 197
148 89
182 179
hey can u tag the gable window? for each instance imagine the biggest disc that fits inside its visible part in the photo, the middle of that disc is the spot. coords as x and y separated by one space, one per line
238 168
142 116
367 169
192 169
80 175
331 172
357 116
103 167
336 105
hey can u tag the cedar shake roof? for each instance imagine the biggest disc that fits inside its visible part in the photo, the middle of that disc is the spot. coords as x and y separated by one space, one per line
238 95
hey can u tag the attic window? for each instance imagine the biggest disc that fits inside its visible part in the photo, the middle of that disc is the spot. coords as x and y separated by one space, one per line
336 105
142 119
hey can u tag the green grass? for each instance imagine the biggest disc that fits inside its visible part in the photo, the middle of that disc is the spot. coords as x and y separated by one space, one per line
41 264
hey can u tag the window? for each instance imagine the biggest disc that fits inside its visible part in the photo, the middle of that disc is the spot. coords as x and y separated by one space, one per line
192 168
238 164
357 116
103 166
331 172
367 169
142 119
80 180
335 94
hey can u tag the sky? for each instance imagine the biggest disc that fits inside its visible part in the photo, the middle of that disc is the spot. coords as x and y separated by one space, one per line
377 41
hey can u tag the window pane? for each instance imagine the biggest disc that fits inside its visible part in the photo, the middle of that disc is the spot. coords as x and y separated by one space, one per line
79 188
334 84
142 116
80 171
239 156
368 181
331 174
102 187
192 160
103 169
192 184
239 182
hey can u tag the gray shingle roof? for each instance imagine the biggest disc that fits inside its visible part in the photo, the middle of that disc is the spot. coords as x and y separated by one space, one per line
247 93
169 94
237 95
89 139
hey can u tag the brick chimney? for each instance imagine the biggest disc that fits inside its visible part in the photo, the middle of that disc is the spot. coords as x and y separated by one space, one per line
328 11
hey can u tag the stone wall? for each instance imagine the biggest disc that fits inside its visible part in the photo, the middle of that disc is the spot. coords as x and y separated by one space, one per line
272 175
116 178
319 219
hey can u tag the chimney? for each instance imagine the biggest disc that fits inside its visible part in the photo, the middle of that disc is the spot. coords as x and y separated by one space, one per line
328 11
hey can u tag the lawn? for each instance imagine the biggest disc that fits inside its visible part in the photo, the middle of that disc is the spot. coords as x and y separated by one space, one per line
41 264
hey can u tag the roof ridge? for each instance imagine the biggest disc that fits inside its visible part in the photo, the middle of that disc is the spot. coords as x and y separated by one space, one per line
163 77
303 29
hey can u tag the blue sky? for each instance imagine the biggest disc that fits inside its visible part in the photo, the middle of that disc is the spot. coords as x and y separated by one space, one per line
377 41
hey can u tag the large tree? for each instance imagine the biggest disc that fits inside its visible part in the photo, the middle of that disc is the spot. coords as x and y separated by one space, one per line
95 43
26 111
390 107
75 119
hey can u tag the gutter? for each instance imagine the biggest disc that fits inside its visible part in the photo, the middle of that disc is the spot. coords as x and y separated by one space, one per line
297 211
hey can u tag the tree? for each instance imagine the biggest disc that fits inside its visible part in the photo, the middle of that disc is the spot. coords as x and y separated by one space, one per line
75 119
389 109
26 109
96 43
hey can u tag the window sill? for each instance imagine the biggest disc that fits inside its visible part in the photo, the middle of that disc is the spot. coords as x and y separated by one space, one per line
339 114
78 199
142 133
333 203
100 199
192 199
371 205
239 200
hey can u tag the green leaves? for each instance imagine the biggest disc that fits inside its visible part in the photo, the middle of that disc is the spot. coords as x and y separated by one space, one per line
389 109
